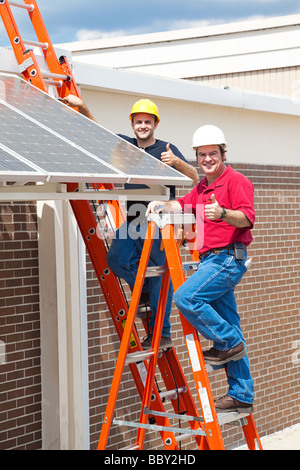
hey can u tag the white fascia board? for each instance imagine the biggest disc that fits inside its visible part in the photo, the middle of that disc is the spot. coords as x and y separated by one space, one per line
119 81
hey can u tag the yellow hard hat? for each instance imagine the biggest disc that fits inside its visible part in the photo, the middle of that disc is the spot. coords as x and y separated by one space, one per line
144 106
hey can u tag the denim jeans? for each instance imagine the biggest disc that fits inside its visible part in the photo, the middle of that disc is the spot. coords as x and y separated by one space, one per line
123 257
208 302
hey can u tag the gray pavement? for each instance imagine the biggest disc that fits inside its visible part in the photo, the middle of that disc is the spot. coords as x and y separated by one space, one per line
288 439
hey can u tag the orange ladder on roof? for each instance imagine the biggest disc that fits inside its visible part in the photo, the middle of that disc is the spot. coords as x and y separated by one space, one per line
59 71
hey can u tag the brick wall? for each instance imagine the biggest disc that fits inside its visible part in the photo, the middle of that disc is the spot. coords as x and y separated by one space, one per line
20 383
268 300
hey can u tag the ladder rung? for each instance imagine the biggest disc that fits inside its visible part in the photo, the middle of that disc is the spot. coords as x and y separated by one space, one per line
153 271
131 447
172 394
57 83
58 76
42 45
21 5
172 415
138 356
182 437
155 427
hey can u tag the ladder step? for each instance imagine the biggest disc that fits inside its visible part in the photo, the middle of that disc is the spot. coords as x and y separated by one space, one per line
153 271
172 415
138 356
232 416
172 218
155 427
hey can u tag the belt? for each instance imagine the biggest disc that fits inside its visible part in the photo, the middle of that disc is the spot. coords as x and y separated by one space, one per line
216 251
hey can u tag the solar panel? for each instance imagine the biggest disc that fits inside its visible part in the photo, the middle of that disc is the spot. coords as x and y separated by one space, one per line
55 157
65 142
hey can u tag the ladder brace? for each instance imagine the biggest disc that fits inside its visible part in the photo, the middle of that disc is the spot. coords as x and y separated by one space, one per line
155 427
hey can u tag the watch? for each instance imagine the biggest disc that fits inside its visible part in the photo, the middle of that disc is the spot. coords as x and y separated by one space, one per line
223 213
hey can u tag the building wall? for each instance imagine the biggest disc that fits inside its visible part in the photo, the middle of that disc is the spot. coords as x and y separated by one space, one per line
268 300
252 135
281 81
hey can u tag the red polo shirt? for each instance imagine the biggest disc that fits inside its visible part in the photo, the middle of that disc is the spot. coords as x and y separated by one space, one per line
232 190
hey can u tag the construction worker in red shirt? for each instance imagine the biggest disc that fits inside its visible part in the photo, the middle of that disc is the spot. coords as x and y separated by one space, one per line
223 204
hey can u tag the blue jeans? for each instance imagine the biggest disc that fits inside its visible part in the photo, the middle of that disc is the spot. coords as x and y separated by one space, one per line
208 302
123 257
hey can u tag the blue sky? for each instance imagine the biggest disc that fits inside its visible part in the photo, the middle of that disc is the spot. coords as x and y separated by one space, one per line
93 19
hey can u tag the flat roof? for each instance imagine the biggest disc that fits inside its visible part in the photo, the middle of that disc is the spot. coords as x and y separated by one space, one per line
182 34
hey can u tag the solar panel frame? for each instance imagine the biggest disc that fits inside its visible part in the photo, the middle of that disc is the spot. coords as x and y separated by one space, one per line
13 168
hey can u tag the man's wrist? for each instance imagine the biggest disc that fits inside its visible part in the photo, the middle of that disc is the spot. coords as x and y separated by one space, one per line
224 213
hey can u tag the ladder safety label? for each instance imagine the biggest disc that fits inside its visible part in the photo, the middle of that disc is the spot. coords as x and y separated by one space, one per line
191 345
142 371
132 342
206 409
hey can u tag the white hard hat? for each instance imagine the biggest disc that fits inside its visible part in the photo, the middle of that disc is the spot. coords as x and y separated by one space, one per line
208 135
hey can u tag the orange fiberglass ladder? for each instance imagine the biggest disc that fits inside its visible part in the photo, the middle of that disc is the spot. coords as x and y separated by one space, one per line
210 419
206 429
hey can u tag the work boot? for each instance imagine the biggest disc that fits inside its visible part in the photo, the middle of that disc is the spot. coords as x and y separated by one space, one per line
228 403
165 343
216 357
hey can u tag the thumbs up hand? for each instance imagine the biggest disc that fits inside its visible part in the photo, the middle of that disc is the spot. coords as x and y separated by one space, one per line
213 211
168 157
